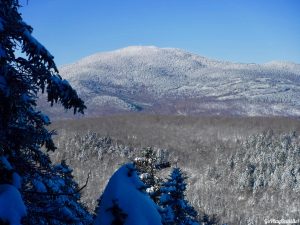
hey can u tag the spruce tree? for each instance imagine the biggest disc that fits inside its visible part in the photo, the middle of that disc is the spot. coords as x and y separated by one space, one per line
45 189
176 209
124 201
210 220
148 165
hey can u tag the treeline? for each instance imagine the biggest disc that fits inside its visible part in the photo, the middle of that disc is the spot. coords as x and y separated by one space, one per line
167 131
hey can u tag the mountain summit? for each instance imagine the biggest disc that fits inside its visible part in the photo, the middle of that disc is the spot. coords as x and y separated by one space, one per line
173 81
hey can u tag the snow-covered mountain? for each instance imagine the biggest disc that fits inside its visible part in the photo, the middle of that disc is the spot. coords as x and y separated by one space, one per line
173 81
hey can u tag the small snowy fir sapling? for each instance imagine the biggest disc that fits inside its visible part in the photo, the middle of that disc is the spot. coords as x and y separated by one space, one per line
176 209
148 166
134 206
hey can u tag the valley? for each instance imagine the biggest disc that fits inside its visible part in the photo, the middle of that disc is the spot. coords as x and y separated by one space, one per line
215 152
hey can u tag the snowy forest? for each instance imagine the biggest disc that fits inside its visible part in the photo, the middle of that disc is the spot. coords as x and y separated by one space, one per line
238 172
133 169
33 190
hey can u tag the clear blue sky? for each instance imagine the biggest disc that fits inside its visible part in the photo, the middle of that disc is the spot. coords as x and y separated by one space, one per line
235 30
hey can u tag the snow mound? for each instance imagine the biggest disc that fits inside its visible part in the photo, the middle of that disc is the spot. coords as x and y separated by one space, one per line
12 208
124 188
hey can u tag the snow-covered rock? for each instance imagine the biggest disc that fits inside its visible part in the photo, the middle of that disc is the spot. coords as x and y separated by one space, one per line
124 188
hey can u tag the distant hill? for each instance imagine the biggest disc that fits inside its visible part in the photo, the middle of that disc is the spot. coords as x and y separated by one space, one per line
172 81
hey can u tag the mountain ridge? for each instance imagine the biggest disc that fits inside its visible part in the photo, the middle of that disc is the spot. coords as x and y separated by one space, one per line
174 81
133 48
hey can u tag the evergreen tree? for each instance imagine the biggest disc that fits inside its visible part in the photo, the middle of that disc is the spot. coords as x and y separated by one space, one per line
12 208
148 166
209 220
56 199
47 191
124 201
176 209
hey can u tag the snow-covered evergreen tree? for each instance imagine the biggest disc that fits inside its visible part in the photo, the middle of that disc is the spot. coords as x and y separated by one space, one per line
125 202
176 209
209 220
47 191
148 166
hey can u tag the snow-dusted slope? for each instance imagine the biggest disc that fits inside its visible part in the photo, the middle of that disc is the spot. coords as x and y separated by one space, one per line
167 80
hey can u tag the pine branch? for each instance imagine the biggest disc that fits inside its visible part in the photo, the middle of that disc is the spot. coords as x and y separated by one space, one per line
59 194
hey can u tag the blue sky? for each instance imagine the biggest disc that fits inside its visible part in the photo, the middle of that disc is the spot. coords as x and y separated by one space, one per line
253 31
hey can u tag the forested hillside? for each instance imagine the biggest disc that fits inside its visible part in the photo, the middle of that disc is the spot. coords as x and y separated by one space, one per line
173 81
243 170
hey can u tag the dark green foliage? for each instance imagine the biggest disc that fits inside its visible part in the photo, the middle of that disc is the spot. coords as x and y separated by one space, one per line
47 190
148 166
176 209
209 220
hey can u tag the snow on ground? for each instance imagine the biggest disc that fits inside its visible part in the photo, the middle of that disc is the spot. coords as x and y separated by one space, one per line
124 188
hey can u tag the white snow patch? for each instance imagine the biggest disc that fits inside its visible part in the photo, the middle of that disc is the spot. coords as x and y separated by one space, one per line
39 186
106 100
12 207
124 188
2 52
16 180
5 162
